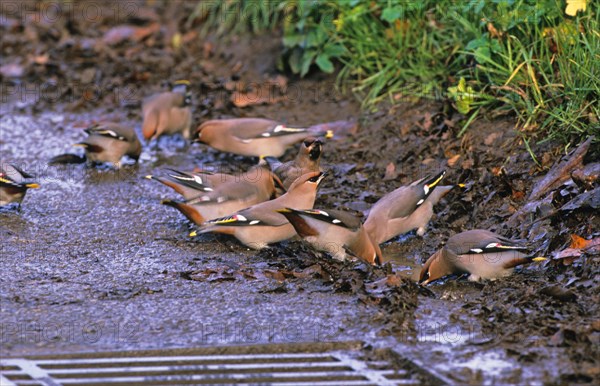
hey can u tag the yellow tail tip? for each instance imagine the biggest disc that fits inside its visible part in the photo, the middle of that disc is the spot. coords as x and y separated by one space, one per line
539 258
329 134
193 234
79 145
182 81
148 177
461 185
33 186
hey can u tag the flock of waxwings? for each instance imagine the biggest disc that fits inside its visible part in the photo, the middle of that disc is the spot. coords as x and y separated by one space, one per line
273 201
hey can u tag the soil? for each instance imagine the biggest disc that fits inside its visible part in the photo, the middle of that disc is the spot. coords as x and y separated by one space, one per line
94 262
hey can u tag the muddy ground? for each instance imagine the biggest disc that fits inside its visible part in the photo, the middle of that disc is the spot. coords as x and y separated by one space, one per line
94 262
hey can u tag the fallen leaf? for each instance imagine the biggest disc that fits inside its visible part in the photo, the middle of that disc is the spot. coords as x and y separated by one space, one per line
493 31
122 33
390 172
587 176
279 81
427 121
561 172
207 48
559 293
578 247
237 67
578 242
491 139
453 160
41 59
273 274
589 199
467 164
517 195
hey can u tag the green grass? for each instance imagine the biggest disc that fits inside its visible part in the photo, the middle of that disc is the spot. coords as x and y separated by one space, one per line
521 57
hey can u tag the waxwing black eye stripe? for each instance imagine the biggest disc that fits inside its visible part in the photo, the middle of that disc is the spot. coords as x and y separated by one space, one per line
430 185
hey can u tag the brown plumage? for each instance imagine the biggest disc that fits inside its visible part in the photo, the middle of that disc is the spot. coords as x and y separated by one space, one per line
14 183
481 253
167 113
335 232
406 208
228 197
109 142
260 225
307 160
193 184
251 136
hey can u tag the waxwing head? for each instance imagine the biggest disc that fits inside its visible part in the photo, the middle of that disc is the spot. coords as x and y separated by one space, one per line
309 181
436 267
206 132
182 86
313 147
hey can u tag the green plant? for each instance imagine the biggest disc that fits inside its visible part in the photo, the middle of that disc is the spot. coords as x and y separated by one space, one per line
537 59
539 64
238 15
309 37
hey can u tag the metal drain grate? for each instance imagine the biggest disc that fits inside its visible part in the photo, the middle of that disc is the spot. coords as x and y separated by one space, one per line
316 364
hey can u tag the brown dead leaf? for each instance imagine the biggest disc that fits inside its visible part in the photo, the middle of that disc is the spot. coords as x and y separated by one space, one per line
390 172
118 34
491 139
587 176
578 247
207 48
121 33
497 171
427 121
220 274
393 280
41 59
279 81
143 32
313 270
561 172
493 31
381 285
467 164
559 293
231 85
578 242
517 195
237 67
428 161
274 274
453 160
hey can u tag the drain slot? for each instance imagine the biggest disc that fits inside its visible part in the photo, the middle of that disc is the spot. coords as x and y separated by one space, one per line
299 365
